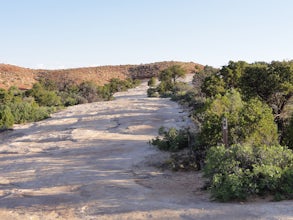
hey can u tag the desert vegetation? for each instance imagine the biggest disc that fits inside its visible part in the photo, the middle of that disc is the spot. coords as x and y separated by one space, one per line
169 83
47 96
101 150
256 100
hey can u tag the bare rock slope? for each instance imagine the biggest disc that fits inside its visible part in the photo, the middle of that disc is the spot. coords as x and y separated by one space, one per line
93 161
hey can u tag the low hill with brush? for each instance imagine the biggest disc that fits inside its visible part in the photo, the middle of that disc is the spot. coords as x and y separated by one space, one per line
24 78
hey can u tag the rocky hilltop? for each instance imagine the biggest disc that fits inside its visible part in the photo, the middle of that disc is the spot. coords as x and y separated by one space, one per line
24 78
11 75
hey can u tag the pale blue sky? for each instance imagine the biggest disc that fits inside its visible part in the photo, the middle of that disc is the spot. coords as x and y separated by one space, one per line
76 33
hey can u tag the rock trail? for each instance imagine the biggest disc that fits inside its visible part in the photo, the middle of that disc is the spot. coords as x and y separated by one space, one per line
93 161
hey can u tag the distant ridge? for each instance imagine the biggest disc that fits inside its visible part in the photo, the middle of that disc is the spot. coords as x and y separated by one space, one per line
24 78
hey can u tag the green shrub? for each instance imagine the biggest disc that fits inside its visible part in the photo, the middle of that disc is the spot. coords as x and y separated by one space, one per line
152 82
43 96
88 90
181 161
168 81
105 92
22 111
180 90
118 85
241 171
152 92
6 117
213 85
28 111
288 134
171 139
166 88
5 97
42 113
172 73
286 187
250 122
